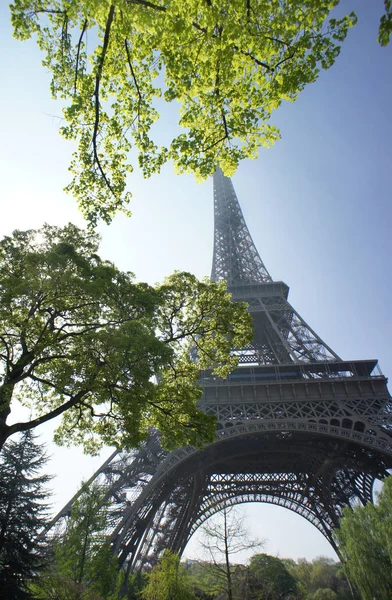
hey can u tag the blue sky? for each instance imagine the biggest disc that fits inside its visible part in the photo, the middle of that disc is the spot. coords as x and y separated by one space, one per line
317 205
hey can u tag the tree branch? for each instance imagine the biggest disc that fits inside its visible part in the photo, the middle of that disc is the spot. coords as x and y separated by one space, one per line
284 60
256 60
96 95
132 71
225 123
148 4
222 139
272 39
78 54
64 36
25 426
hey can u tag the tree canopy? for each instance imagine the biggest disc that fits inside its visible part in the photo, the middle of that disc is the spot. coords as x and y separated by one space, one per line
365 545
80 338
269 578
228 64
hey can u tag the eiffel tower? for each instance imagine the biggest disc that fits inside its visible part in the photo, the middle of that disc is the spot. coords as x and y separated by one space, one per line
296 425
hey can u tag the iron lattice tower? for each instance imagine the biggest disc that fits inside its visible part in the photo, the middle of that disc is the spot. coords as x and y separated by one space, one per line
296 425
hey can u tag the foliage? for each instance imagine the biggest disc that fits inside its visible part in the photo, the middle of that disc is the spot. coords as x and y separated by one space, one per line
273 578
203 578
135 583
365 545
84 567
80 338
385 30
321 574
228 65
269 578
22 514
223 538
168 581
324 594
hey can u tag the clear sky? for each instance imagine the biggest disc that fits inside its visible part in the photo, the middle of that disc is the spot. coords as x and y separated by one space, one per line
318 206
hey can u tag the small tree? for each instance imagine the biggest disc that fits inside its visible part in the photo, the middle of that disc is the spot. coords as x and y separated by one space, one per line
224 537
365 545
83 567
168 581
80 338
23 511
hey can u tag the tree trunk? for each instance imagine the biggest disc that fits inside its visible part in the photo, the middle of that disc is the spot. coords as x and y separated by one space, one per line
4 433
227 559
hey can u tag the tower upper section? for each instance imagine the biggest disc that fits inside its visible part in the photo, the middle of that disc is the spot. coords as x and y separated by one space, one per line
235 257
280 334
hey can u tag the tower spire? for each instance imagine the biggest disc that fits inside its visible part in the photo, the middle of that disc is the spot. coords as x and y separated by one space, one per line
280 334
235 257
